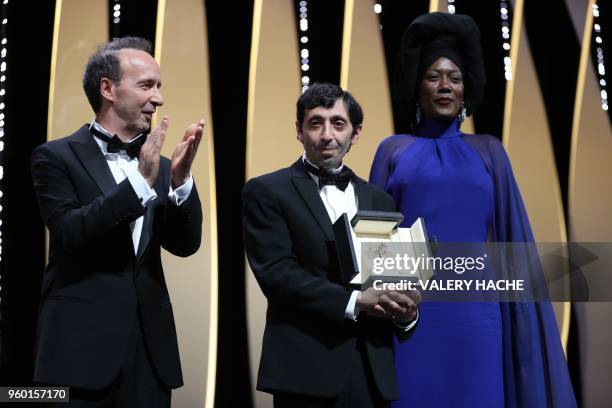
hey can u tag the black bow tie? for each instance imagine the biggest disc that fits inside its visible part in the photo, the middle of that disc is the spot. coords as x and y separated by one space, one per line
115 145
340 179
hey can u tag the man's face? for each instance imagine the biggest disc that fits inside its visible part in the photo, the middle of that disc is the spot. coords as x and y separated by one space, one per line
137 96
327 135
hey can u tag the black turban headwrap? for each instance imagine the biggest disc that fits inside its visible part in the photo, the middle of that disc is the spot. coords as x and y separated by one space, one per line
427 38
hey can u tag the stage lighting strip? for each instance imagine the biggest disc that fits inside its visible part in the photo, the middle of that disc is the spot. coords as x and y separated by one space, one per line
451 6
304 53
117 12
378 10
3 67
504 13
599 47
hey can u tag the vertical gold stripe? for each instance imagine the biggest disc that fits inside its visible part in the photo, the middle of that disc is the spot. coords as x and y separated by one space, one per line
56 29
211 371
585 53
255 40
159 29
434 5
254 58
50 111
159 34
211 375
565 325
347 33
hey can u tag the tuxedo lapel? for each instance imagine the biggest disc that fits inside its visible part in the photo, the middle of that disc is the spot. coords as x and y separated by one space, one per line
89 154
147 223
364 194
145 235
309 192
91 157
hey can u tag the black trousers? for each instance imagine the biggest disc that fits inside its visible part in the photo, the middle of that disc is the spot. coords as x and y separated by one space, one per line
360 391
136 386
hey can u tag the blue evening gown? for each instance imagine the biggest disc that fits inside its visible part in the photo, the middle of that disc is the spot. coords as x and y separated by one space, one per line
469 354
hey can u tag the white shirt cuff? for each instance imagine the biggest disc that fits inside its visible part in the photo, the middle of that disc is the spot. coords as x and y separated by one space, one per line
409 325
145 193
350 312
181 194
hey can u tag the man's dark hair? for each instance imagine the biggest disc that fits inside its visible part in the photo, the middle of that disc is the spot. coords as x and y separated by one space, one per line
326 95
105 64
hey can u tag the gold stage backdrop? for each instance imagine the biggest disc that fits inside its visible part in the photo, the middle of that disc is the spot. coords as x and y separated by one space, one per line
181 48
274 85
590 201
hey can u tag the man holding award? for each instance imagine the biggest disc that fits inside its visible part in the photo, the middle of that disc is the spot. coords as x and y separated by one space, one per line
325 344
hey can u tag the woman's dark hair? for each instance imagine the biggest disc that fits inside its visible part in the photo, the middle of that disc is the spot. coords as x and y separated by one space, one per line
428 37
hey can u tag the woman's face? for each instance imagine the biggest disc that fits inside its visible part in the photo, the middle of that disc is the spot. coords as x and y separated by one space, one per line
441 90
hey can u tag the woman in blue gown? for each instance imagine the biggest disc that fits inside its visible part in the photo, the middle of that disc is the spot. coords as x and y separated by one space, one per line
479 354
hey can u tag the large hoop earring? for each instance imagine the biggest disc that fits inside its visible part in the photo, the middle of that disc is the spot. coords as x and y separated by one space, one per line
462 112
418 114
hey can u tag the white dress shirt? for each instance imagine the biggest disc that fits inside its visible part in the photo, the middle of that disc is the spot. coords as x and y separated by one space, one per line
122 167
338 202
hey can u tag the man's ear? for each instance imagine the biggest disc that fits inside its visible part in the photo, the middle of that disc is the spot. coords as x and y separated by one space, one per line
107 89
298 130
356 134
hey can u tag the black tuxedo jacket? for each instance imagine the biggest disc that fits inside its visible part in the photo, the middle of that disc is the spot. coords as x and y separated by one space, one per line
95 290
289 241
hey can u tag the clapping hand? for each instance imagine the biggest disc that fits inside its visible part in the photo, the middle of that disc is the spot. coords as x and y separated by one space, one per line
148 162
184 153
